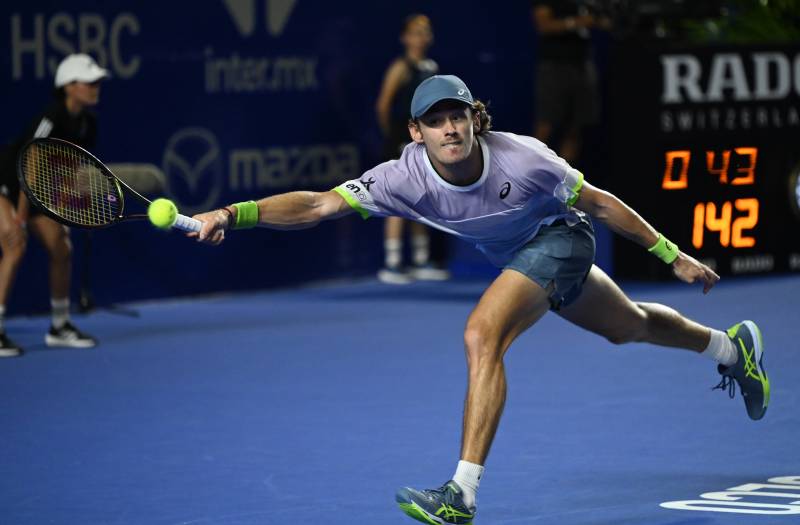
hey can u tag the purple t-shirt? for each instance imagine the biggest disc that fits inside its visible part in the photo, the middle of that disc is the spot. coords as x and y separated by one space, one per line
524 185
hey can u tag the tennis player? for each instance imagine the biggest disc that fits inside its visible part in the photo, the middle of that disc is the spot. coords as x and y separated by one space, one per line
68 117
528 211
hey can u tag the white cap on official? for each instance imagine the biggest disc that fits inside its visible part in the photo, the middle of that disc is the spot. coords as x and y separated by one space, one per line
79 68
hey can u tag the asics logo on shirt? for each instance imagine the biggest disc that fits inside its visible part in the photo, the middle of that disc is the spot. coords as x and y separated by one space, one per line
504 191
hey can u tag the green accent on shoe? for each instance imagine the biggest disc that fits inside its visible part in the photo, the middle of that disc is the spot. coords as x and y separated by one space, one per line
748 371
750 368
442 506
413 510
764 378
449 512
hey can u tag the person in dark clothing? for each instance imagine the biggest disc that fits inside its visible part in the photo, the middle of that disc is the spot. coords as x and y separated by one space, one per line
401 79
77 88
566 80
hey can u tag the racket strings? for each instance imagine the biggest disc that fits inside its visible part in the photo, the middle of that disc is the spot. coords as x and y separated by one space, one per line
71 184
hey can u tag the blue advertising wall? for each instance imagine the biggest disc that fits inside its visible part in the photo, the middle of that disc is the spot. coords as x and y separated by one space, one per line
229 100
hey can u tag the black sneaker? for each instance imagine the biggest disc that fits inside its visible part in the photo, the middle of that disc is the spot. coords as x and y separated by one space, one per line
436 506
69 336
749 369
9 348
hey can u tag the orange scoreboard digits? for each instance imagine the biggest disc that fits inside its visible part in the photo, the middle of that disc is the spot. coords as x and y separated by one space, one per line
730 221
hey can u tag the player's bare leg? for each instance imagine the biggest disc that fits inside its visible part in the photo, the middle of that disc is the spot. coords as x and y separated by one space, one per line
603 308
511 304
507 308
739 351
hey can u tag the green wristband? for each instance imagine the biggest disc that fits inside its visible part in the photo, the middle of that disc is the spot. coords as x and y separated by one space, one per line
664 249
246 215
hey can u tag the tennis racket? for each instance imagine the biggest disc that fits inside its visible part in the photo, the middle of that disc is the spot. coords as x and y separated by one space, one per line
73 187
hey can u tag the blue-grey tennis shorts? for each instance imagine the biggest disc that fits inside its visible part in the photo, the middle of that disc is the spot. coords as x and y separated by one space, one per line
560 255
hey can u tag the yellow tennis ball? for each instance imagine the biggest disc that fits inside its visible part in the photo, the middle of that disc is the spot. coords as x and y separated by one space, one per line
162 213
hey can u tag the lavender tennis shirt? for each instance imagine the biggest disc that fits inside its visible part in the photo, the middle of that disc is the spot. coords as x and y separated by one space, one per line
524 186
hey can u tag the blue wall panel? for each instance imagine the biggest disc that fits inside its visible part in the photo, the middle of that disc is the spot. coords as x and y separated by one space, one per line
230 100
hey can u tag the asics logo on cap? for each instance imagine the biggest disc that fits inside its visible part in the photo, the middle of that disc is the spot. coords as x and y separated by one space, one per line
436 88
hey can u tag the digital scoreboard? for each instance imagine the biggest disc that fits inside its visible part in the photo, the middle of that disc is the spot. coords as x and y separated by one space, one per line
705 145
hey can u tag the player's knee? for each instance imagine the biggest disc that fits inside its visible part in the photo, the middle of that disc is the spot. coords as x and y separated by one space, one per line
634 329
480 342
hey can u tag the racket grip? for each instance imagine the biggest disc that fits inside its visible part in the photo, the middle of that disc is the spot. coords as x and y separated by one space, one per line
187 224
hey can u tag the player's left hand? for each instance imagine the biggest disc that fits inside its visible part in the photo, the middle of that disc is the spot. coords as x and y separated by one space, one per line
689 270
214 225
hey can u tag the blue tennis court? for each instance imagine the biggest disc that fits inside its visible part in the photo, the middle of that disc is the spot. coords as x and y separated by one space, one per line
314 405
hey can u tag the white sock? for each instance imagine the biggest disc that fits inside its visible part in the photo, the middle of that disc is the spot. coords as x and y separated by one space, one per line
720 349
60 312
393 252
468 476
421 249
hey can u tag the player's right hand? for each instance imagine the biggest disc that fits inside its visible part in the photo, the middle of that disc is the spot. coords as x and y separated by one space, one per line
690 270
214 225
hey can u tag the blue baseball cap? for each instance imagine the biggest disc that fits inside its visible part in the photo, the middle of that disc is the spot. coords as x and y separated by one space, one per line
436 88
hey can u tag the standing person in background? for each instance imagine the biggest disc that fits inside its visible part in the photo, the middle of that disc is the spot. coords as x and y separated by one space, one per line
77 88
399 83
566 80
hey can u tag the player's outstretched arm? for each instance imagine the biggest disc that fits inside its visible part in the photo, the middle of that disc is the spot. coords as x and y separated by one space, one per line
623 220
288 211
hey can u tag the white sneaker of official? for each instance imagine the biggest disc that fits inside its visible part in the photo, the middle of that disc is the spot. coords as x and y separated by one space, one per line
394 276
428 272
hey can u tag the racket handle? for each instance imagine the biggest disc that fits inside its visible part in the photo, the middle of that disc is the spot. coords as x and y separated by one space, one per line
187 224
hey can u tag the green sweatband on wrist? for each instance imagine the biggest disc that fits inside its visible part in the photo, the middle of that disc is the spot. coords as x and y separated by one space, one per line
664 249
246 215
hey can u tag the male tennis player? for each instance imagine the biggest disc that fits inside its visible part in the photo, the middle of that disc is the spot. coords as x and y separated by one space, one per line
527 210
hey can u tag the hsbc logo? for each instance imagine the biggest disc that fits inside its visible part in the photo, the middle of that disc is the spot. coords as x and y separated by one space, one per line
244 15
731 77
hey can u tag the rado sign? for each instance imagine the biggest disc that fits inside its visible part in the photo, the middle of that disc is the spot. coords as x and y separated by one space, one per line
730 77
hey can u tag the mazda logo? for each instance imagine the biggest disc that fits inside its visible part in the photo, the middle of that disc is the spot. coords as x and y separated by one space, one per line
193 167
